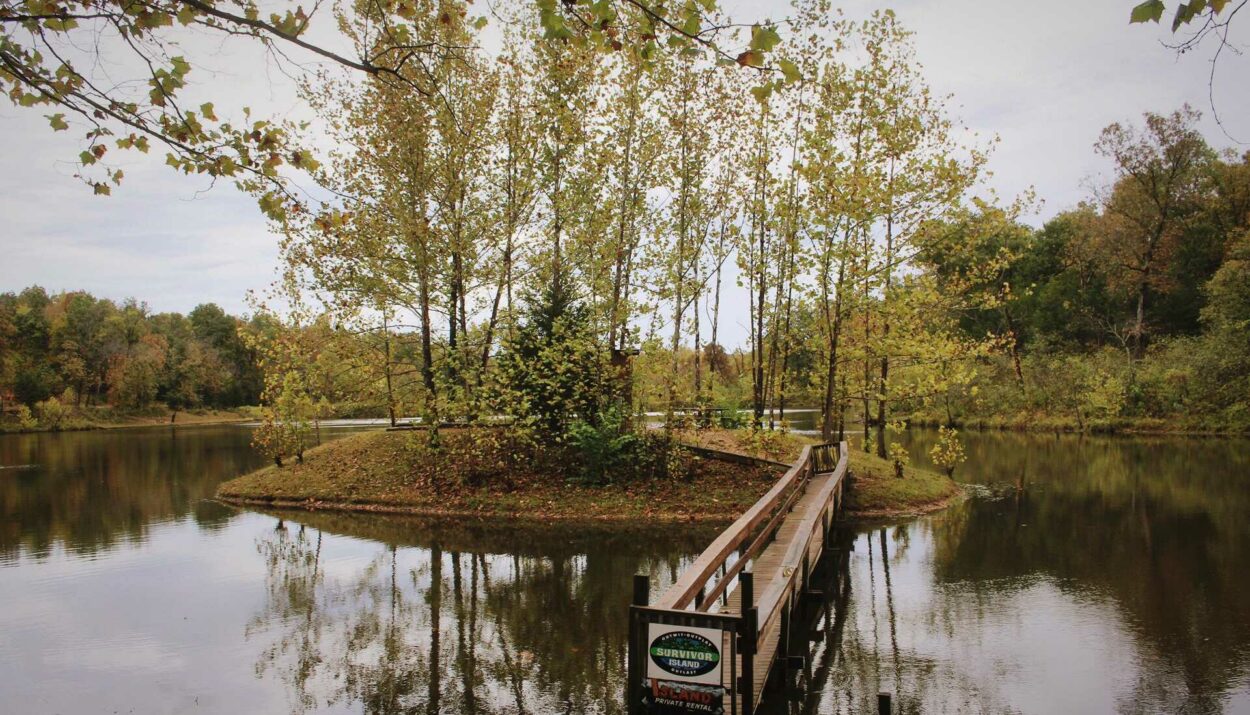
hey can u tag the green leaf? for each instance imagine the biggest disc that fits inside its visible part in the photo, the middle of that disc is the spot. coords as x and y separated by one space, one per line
762 92
553 25
1149 11
58 122
102 189
1186 12
207 110
180 65
764 38
790 70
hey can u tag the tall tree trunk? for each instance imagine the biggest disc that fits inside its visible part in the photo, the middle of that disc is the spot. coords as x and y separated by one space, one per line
834 324
679 270
390 394
698 350
720 258
884 383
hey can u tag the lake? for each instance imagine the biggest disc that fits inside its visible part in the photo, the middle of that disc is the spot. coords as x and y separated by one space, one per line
1085 575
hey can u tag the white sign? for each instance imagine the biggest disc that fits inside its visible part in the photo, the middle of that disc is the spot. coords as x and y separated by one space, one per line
684 654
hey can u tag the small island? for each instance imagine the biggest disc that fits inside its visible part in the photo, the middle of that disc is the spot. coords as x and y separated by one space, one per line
479 473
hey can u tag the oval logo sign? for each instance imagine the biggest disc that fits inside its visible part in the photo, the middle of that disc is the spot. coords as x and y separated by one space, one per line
685 654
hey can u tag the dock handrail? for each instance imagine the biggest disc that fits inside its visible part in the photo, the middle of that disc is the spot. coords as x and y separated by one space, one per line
759 629
795 562
814 459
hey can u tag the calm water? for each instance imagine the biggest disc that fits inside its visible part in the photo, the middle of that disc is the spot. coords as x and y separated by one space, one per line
1089 575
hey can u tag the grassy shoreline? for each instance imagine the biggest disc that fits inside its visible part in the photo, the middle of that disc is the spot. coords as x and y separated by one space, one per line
1050 424
388 472
105 421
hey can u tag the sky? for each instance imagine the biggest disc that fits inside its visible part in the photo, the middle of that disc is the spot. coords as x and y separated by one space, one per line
1042 77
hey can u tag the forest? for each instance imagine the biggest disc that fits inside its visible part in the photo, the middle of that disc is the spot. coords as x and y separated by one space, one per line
561 229
65 355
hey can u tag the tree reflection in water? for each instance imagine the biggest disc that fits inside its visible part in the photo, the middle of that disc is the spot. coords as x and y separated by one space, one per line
452 620
1097 575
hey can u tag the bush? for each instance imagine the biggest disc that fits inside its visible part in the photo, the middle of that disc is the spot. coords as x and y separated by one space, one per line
770 443
732 418
948 451
605 450
899 458
52 413
25 420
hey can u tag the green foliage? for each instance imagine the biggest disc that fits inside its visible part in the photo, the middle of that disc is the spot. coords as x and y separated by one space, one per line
607 449
1152 11
93 351
551 374
26 420
51 413
947 452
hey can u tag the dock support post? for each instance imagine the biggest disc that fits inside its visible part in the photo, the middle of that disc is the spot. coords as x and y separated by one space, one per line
783 646
637 647
746 581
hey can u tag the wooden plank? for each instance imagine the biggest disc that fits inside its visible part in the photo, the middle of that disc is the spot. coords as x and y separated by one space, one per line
780 567
769 569
683 591
824 486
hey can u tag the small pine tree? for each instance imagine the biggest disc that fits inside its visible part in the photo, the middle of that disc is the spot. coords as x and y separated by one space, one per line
551 371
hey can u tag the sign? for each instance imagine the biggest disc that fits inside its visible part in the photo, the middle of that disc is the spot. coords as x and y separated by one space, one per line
666 696
684 654
684 670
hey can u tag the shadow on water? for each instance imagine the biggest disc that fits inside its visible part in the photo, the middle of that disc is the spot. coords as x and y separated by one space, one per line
456 618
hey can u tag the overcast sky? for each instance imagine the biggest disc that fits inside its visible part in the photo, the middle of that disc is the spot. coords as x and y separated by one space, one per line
1045 77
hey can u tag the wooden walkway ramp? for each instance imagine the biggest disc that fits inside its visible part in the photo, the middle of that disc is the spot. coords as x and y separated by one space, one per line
737 596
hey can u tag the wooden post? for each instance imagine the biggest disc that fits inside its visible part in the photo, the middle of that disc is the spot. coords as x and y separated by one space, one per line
746 581
883 704
637 646
784 645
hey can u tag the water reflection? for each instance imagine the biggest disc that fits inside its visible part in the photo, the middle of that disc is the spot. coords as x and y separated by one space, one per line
448 617
1102 575
89 492
1093 575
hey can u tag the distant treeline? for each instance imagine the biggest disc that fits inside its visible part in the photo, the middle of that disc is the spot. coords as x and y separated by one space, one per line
1130 310
84 351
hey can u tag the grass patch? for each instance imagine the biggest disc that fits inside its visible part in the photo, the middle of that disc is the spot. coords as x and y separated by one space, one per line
772 445
97 418
876 492
482 473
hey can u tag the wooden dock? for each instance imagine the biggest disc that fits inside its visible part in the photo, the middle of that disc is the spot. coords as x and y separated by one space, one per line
748 582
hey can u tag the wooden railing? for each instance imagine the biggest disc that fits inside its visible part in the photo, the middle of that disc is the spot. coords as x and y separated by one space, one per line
781 594
771 507
689 600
